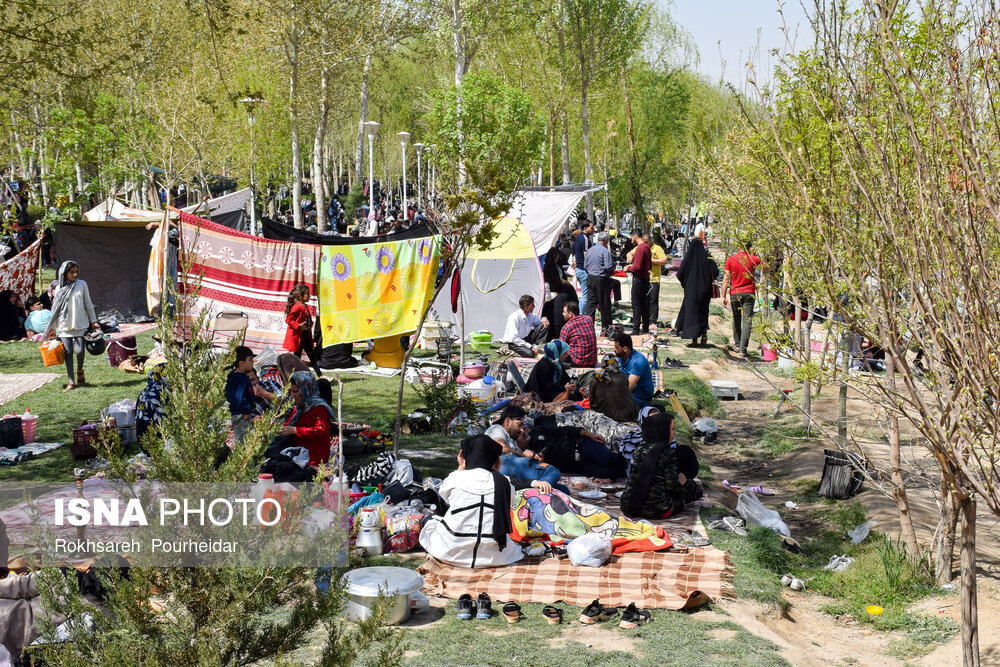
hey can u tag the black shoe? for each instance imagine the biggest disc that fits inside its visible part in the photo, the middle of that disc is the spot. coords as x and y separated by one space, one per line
596 612
633 617
464 606
484 607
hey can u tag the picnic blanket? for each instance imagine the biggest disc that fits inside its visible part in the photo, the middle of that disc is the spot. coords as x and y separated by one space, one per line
18 272
13 385
651 579
33 448
378 371
21 527
237 272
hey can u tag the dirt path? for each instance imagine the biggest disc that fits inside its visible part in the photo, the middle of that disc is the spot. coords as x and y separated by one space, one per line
806 635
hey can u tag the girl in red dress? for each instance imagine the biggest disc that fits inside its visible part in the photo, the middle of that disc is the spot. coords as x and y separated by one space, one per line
298 338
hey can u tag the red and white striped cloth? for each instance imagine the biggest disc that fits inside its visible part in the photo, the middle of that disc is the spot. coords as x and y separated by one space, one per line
18 272
223 270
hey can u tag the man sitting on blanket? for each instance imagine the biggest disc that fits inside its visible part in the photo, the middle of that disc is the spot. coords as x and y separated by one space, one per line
525 333
635 365
515 462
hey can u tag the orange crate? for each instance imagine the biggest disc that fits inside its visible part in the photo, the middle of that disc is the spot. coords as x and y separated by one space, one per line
52 356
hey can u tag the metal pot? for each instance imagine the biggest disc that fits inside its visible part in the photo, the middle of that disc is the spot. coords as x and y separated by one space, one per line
365 584
474 370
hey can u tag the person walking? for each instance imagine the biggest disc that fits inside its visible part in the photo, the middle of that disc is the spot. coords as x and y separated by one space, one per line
581 244
72 316
696 275
599 267
739 283
639 268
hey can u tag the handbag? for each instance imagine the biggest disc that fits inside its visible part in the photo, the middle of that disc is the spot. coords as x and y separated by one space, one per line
11 435
716 291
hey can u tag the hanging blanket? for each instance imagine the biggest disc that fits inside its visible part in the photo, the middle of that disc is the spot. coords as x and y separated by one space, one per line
238 272
376 290
651 579
18 273
556 517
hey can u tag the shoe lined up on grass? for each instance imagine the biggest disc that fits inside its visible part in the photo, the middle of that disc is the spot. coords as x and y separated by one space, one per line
512 612
595 612
484 607
552 614
633 617
464 607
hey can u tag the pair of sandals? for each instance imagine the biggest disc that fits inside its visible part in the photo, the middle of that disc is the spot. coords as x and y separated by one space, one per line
512 612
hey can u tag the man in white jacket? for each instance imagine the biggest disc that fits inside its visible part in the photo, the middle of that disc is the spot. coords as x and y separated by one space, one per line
525 333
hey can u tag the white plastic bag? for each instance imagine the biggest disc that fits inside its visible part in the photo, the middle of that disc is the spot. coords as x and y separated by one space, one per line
123 413
592 550
753 511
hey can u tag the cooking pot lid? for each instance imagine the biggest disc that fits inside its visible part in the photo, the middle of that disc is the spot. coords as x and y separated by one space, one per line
369 581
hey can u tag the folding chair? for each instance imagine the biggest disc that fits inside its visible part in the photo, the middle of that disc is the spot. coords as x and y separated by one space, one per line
228 325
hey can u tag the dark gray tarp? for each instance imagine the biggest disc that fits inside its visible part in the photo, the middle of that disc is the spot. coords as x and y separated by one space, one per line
113 258
276 231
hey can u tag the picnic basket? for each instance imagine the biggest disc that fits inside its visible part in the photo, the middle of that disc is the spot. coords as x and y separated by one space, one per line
52 353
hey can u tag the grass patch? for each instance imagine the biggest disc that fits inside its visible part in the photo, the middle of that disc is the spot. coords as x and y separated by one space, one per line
717 310
695 396
781 438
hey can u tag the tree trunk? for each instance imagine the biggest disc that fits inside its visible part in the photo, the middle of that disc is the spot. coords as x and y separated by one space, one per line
359 147
898 484
806 384
588 172
319 147
552 149
461 66
969 602
944 544
634 178
845 365
566 176
293 118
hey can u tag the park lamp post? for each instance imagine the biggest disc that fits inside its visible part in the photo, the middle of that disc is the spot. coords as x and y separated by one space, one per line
404 138
371 127
251 104
420 185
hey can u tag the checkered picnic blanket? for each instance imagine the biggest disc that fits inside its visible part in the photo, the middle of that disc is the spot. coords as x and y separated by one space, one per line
651 579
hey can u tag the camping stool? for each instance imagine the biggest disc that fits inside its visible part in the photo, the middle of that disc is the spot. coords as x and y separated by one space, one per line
784 397
230 325
725 389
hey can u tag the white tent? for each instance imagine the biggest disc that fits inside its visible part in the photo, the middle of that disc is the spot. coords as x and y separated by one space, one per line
545 214
234 201
111 210
494 279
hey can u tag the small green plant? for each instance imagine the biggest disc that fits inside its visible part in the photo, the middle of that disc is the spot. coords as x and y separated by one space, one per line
716 309
441 402
893 557
848 515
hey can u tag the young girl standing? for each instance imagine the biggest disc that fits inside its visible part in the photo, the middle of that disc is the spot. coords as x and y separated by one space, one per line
72 316
298 338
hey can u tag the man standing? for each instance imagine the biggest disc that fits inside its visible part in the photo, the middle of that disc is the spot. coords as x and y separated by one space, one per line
599 268
658 261
639 268
739 282
578 332
636 367
581 244
525 333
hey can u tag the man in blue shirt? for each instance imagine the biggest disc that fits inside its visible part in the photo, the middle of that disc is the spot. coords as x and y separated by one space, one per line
581 244
636 367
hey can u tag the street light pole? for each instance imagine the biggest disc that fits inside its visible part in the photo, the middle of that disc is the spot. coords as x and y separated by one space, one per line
371 127
251 106
404 137
420 186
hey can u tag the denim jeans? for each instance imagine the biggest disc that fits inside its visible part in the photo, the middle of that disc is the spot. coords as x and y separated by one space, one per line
742 305
512 465
581 277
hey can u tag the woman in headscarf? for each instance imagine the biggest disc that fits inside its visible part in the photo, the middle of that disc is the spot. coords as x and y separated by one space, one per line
696 275
633 439
662 475
474 530
11 316
609 392
309 419
289 364
549 379
72 316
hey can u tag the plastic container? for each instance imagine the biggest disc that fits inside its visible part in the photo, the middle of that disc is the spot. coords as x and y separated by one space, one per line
365 584
128 435
768 353
480 340
334 489
474 370
753 512
28 424
786 362
479 391
52 353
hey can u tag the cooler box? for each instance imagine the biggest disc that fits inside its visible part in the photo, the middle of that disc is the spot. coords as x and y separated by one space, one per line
120 349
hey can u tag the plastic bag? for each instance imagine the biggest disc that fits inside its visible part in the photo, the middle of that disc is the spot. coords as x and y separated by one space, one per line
122 411
592 550
860 532
754 512
402 529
